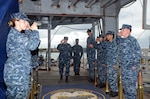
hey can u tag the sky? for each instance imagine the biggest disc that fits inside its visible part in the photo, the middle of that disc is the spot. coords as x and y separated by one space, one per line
128 15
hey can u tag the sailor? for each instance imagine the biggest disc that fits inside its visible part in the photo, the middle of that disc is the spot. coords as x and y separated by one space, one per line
77 54
34 58
65 55
100 61
112 63
40 60
130 55
34 63
18 65
90 49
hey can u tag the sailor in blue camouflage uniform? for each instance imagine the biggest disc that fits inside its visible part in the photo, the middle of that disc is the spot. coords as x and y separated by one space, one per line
90 49
100 61
129 55
77 51
103 62
18 65
65 55
112 63
34 63
104 45
34 58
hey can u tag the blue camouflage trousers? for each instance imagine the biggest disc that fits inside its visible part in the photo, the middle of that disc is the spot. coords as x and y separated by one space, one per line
112 78
17 89
91 69
63 64
91 60
76 68
129 79
101 72
34 64
76 63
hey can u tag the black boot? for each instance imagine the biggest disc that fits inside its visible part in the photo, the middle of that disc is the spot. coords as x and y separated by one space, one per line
77 74
101 85
61 77
67 79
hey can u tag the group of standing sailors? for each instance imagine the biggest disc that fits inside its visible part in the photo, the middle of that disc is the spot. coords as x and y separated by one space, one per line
113 51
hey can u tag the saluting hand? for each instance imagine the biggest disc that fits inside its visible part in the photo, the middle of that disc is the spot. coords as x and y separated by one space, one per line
119 33
62 41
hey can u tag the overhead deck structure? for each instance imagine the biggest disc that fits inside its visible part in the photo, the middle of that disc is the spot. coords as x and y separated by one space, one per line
64 12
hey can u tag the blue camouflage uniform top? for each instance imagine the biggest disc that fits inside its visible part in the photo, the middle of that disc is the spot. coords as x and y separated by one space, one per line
104 45
100 54
77 52
18 48
90 40
129 52
65 52
112 53
34 58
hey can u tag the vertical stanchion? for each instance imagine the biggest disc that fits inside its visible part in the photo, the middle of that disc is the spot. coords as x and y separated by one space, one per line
120 84
107 87
49 43
140 86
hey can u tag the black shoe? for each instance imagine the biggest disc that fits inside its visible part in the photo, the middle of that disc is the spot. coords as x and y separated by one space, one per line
77 74
67 79
101 85
108 93
61 77
113 94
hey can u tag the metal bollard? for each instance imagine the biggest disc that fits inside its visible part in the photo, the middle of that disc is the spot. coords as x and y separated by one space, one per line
120 84
107 87
140 86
